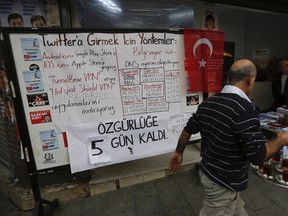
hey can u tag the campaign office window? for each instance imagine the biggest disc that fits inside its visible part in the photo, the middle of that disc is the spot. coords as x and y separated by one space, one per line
136 13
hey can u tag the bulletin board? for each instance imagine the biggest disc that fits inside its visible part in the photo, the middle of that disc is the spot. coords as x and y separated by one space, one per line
95 98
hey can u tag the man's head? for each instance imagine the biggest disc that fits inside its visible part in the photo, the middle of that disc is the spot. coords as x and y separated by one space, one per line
47 118
210 21
15 20
283 66
242 74
38 21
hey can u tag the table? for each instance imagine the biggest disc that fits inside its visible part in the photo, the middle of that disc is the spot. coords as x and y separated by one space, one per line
276 176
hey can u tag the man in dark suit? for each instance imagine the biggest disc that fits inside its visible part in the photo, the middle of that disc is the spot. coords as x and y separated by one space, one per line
279 85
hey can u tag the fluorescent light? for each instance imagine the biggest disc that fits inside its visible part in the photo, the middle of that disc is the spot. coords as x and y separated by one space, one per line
111 5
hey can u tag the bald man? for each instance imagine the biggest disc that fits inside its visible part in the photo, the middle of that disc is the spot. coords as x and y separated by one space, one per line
231 140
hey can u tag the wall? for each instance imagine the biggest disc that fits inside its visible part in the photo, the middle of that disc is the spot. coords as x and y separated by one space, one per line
253 29
266 31
262 95
233 23
250 30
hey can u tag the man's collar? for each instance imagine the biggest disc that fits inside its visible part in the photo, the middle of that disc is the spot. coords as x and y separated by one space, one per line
235 90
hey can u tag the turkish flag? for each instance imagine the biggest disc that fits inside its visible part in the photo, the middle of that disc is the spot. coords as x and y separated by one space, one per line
204 59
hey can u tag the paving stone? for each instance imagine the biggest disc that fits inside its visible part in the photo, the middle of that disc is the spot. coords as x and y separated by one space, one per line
148 205
97 205
153 175
271 210
125 182
181 210
254 200
168 191
102 187
194 195
250 211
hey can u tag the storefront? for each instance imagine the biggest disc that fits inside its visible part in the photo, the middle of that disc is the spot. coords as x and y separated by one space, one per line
244 37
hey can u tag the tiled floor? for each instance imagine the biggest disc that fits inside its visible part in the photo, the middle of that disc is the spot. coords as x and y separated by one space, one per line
177 194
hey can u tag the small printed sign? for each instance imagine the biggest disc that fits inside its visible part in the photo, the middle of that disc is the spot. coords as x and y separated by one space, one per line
39 117
35 100
49 140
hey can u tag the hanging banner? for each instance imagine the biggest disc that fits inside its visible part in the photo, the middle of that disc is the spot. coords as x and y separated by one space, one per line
113 141
204 59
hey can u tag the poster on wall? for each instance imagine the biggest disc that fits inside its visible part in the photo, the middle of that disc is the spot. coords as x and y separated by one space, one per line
21 13
265 66
210 20
107 97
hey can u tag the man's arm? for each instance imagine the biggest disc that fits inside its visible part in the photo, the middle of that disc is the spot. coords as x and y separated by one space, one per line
273 146
176 160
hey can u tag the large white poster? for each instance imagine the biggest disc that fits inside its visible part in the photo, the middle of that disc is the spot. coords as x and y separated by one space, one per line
92 77
79 86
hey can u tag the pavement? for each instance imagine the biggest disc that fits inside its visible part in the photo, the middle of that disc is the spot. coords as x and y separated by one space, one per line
176 194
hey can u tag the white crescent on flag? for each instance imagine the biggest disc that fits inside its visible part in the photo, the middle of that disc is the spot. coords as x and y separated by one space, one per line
198 43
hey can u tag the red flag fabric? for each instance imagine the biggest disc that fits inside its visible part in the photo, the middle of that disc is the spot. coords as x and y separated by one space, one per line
204 59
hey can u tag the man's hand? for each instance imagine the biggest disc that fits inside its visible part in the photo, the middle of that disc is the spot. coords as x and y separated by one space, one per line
283 135
273 146
175 161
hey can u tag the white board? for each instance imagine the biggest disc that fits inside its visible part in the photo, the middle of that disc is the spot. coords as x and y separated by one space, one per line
72 83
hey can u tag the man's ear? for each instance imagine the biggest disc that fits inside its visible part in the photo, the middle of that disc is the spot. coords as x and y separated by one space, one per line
250 78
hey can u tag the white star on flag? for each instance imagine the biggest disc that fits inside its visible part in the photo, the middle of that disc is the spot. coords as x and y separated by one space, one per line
202 63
